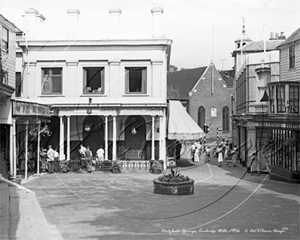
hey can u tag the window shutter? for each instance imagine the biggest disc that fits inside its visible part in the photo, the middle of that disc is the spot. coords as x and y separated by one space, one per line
144 80
126 81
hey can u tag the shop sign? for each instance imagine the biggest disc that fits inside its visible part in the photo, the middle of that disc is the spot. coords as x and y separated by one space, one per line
280 125
26 108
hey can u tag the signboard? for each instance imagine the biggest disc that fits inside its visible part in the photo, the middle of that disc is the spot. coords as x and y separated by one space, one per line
30 109
213 112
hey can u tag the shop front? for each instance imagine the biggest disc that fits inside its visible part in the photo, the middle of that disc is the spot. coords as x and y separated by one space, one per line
29 133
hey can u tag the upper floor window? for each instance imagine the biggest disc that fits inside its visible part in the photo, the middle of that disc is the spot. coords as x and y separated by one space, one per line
51 80
280 98
293 101
136 80
18 84
225 119
5 39
272 99
93 80
292 56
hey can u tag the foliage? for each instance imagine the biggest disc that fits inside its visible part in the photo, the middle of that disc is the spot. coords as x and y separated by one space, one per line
174 176
156 166
116 167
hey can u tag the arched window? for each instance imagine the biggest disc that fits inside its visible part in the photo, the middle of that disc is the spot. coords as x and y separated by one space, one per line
226 118
201 116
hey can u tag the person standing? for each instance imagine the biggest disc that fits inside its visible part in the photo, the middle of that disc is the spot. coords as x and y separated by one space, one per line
56 161
43 160
220 155
50 158
234 155
255 164
88 159
100 154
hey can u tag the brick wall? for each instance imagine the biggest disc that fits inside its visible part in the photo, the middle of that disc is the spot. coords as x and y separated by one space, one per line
217 97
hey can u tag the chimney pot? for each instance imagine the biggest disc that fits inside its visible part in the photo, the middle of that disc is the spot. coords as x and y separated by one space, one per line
157 22
73 15
115 22
276 35
272 36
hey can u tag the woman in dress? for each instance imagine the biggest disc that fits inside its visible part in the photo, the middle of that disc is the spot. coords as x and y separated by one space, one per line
220 156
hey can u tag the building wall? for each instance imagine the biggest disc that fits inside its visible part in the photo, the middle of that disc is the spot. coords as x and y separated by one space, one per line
113 59
217 96
287 73
9 59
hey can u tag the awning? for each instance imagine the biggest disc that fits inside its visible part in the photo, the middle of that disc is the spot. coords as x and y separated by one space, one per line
180 124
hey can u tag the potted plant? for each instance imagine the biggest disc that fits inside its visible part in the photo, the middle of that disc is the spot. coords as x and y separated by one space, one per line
173 183
115 167
156 167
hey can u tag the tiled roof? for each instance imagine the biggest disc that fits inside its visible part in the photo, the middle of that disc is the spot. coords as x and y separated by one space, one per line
183 81
293 38
228 77
258 46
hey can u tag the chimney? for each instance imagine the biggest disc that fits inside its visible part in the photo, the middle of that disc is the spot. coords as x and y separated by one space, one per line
73 16
157 22
115 22
33 22
276 35
282 37
271 36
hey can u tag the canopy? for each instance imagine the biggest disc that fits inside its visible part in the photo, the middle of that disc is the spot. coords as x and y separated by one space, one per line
180 124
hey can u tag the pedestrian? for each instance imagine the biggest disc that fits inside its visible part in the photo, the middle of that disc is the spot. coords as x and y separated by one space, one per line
82 150
88 159
220 155
197 152
56 161
177 150
193 150
208 154
234 155
255 164
43 160
203 154
50 159
99 157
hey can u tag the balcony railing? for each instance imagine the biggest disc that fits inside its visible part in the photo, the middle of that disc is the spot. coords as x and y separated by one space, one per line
251 107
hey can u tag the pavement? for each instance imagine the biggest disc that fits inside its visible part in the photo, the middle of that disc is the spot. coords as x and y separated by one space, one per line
227 203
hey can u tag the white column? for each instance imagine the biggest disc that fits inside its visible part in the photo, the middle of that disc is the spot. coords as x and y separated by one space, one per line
26 150
14 148
106 138
61 138
114 157
163 133
68 137
38 149
160 138
11 150
152 145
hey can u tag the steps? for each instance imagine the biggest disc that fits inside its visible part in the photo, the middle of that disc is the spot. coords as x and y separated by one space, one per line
21 216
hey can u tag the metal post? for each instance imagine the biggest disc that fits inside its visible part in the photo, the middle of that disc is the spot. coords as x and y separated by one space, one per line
68 137
26 150
106 138
38 149
152 152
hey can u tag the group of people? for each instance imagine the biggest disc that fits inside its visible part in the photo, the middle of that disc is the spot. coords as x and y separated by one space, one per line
200 152
49 160
226 152
87 154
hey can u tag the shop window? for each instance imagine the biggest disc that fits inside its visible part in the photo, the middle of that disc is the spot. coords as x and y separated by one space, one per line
136 80
201 116
225 119
272 100
93 80
5 39
280 98
293 102
51 80
18 84
292 56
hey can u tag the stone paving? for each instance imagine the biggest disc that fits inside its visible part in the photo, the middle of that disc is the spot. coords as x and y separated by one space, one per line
228 203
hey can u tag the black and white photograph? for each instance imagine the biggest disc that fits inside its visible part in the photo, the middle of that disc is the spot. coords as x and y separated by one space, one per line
149 119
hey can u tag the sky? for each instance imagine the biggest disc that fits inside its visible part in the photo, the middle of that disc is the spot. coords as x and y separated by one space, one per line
201 30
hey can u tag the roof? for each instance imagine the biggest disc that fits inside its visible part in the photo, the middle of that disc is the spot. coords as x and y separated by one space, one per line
12 25
259 45
181 82
293 38
228 77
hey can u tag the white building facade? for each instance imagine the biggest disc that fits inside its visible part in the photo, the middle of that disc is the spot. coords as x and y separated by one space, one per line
105 92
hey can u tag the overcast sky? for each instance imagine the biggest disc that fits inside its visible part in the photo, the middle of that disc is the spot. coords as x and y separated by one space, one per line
201 30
